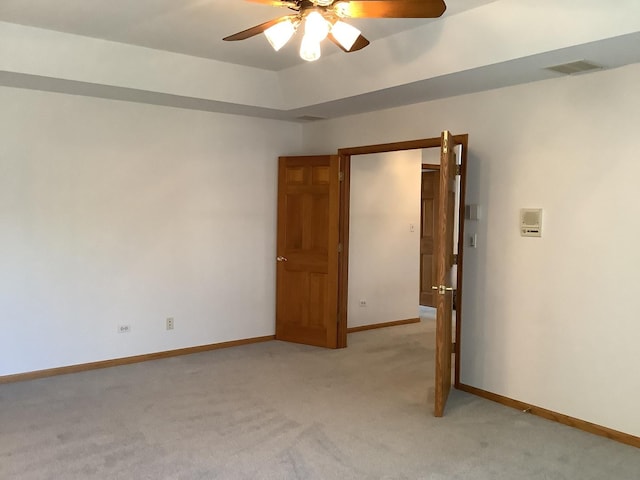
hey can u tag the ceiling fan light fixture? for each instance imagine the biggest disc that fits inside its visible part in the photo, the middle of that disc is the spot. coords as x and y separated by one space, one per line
323 16
309 49
316 27
280 33
345 34
342 9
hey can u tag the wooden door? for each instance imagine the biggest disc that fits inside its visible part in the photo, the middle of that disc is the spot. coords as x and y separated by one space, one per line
429 213
307 250
443 257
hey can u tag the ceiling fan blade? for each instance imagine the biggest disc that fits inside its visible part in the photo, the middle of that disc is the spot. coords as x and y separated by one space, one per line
359 44
250 32
393 8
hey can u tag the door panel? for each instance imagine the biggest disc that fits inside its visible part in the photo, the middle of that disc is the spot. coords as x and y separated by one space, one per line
307 250
444 255
429 213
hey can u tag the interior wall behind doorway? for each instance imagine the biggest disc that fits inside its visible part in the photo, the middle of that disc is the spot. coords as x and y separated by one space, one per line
383 251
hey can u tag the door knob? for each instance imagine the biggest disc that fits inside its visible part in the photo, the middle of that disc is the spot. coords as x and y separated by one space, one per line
282 259
442 289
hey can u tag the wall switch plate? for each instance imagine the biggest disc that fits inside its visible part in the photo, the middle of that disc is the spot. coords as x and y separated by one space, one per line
472 212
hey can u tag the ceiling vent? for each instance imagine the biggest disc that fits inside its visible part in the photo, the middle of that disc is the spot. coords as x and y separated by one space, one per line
309 118
581 66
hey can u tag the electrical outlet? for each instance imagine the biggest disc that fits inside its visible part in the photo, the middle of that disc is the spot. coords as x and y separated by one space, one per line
124 328
363 303
170 323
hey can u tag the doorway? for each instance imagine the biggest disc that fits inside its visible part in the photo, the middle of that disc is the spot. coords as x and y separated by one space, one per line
384 243
345 155
429 196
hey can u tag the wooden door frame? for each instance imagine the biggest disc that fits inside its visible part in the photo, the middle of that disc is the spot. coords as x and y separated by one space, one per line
345 155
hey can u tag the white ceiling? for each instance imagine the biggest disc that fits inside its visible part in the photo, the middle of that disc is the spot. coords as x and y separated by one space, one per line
477 45
191 27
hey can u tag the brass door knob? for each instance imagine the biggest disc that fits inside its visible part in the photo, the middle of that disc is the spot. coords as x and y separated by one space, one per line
442 289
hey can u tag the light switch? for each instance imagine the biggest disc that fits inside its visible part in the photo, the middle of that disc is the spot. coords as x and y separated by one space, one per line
473 240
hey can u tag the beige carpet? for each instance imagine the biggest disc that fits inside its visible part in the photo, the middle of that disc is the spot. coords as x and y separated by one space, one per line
285 411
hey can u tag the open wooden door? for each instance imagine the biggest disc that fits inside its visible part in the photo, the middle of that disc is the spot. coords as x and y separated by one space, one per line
443 259
307 250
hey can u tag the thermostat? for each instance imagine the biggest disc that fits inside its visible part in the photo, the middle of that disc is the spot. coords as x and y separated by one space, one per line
531 222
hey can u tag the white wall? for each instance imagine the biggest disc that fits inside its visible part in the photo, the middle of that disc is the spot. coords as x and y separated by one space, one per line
551 321
384 255
119 213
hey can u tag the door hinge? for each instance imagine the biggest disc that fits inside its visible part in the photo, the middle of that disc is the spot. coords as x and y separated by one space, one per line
340 176
455 259
458 170
339 248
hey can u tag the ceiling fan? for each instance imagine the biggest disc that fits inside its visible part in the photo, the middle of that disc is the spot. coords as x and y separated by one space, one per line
323 19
